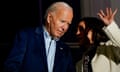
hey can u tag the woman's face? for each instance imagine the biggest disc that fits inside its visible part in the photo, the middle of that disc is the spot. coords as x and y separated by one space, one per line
80 29
84 37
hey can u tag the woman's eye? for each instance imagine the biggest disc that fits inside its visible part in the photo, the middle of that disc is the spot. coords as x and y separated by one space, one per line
81 28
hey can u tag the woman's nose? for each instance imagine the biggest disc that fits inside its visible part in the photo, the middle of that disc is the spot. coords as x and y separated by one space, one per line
78 32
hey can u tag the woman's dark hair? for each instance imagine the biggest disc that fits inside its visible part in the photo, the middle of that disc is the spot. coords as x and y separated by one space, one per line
96 25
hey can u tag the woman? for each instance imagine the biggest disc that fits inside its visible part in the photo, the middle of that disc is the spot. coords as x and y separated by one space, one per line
89 34
100 54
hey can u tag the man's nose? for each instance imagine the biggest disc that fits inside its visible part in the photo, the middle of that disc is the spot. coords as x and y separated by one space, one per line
65 27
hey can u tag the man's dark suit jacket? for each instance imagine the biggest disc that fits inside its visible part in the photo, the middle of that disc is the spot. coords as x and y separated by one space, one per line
28 54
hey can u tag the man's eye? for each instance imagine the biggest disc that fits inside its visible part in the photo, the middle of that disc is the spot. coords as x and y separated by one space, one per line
62 21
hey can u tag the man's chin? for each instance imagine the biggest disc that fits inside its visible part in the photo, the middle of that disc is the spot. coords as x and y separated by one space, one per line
57 37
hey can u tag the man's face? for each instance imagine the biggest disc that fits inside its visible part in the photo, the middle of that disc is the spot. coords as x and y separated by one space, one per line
59 22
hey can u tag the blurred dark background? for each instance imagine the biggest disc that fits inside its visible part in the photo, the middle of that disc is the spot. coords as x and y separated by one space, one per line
18 14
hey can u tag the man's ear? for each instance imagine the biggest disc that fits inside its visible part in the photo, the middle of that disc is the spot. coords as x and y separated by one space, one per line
49 18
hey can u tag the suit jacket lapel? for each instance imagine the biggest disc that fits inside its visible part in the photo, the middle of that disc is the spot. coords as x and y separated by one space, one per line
58 56
40 47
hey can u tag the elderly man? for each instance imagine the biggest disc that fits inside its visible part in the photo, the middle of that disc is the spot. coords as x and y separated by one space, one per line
40 49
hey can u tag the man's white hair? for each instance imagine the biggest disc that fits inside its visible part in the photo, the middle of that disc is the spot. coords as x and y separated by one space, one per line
55 6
